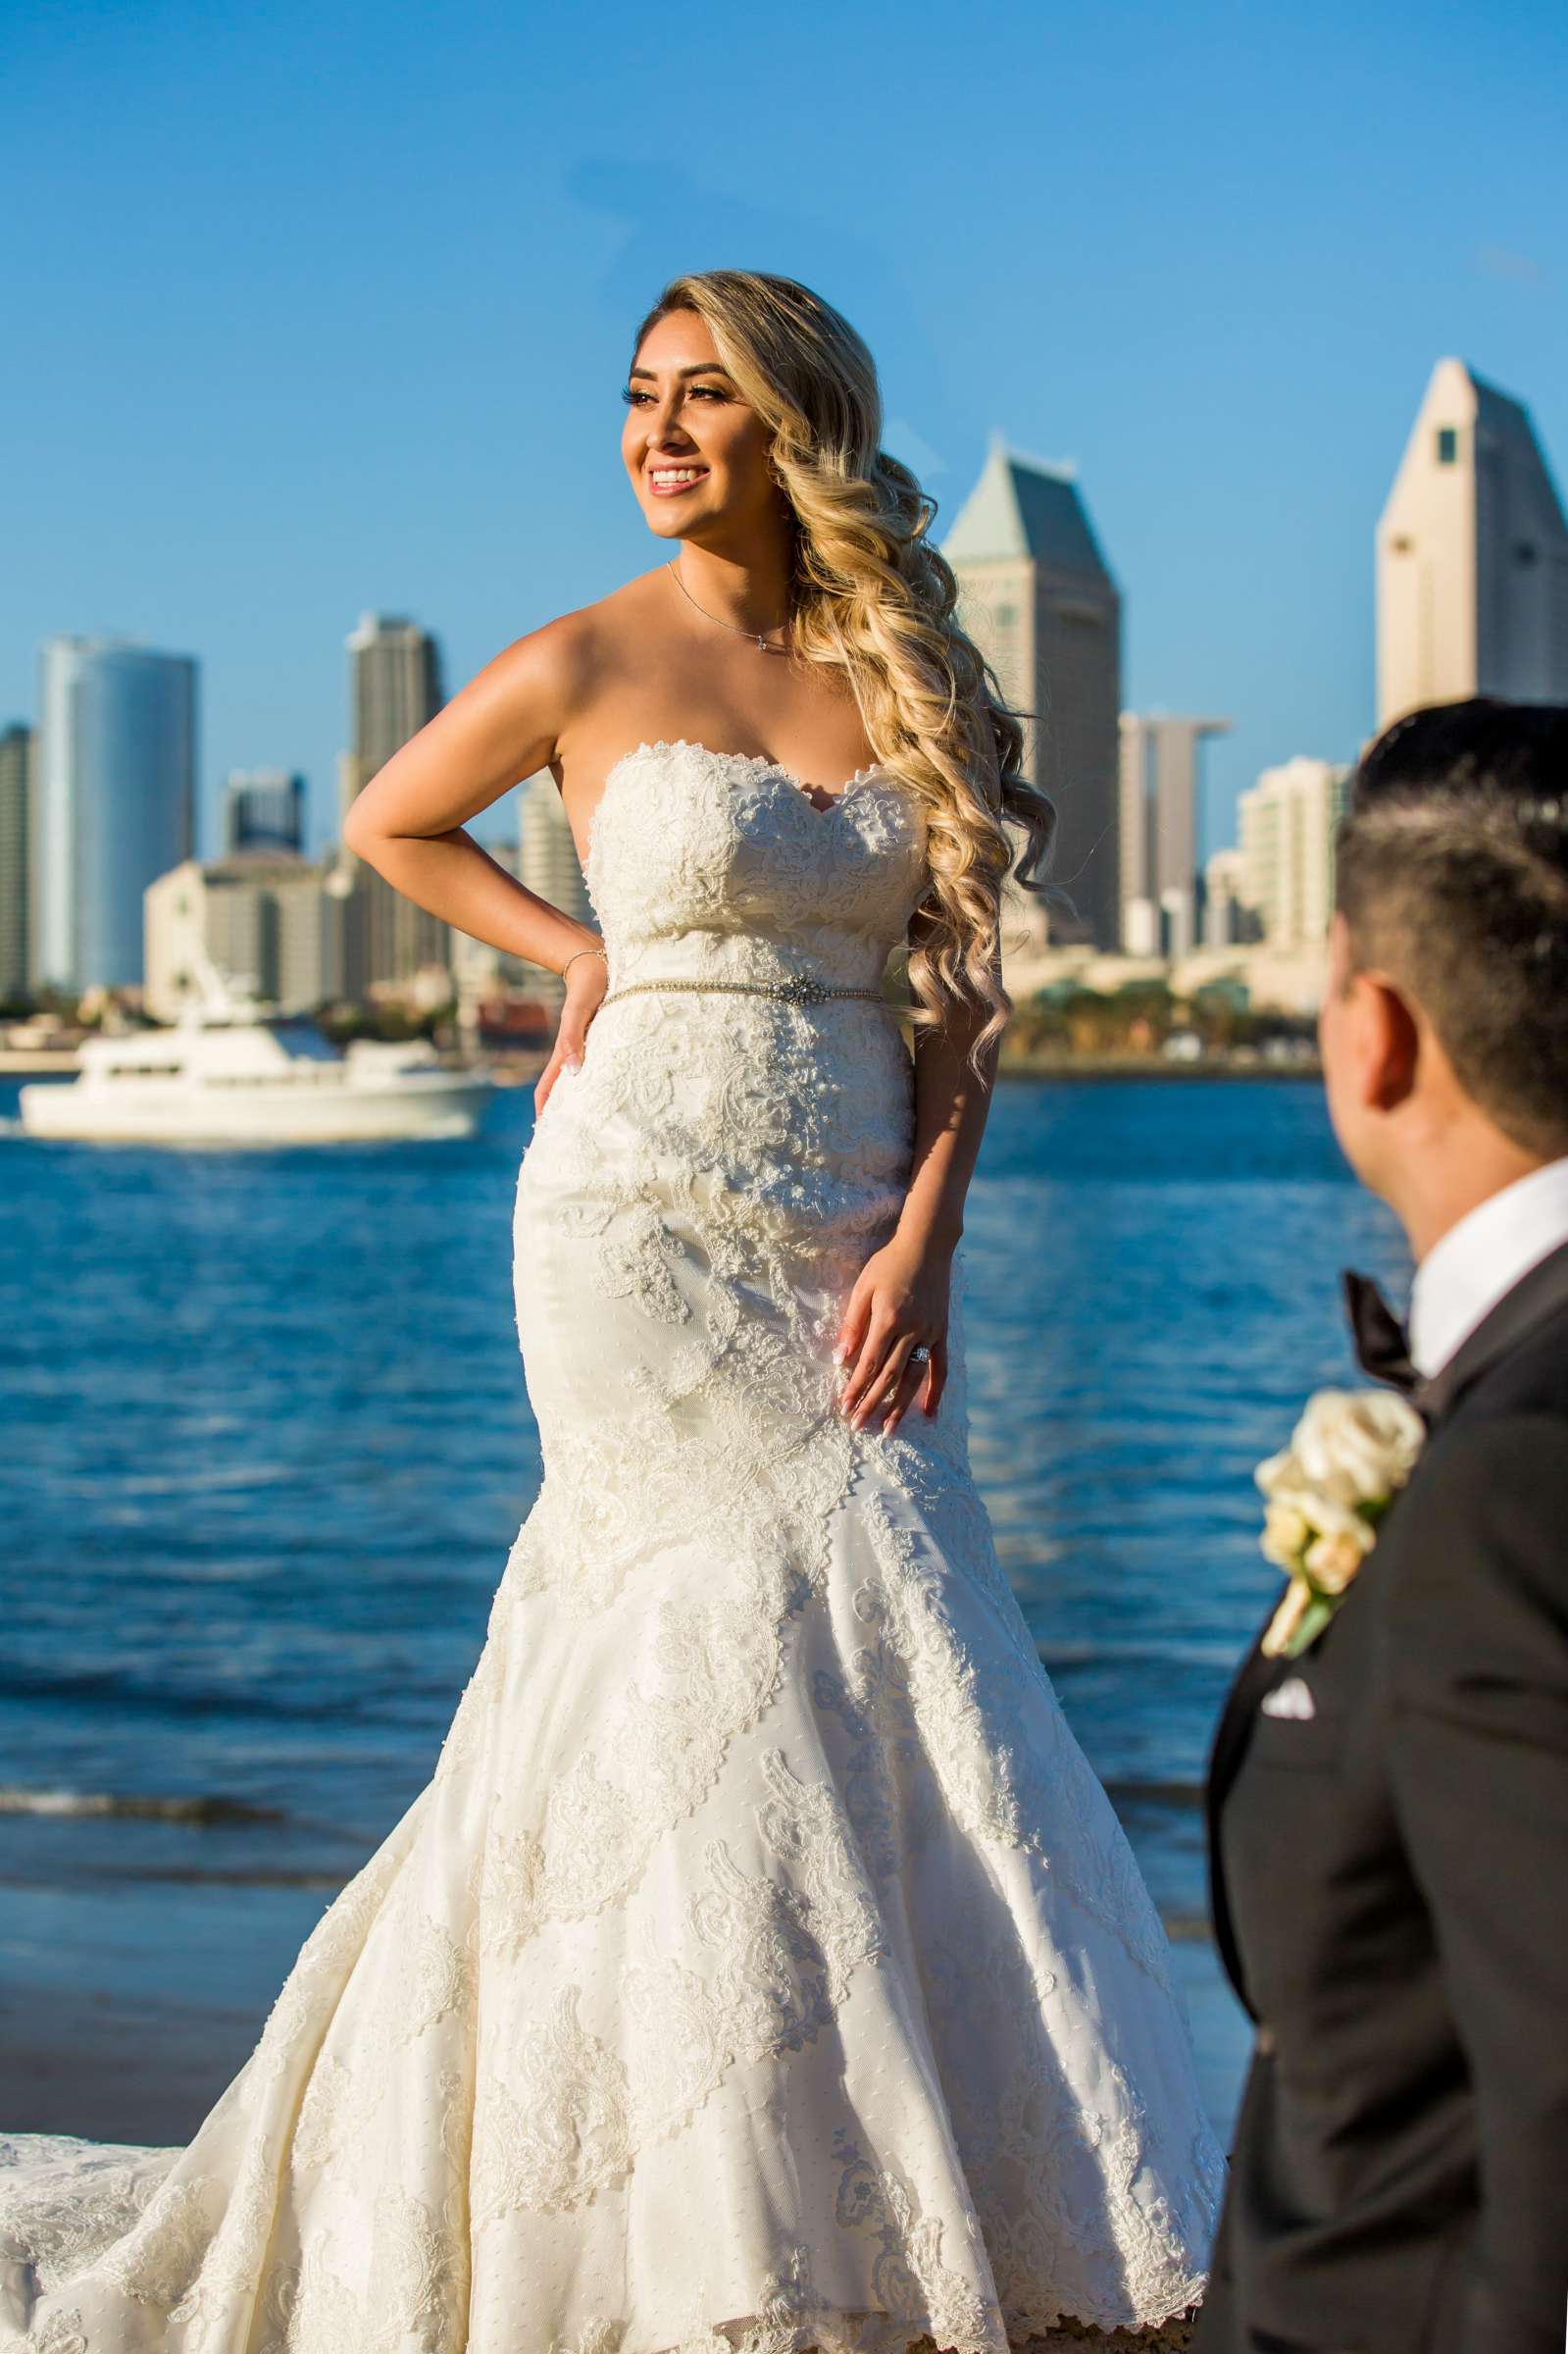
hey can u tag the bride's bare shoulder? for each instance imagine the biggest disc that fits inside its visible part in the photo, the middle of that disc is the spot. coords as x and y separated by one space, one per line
543 698
556 673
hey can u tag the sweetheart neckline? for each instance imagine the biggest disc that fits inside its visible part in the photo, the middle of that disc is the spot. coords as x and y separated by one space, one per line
877 772
763 760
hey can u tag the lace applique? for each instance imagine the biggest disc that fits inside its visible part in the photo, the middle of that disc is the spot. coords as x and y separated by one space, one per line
64 2332
1009 1768
570 2115
715 1662
159 2259
62 2211
415 2292
910 2278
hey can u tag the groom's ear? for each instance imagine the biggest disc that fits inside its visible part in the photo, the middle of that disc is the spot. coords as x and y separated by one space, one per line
1371 1032
1390 1037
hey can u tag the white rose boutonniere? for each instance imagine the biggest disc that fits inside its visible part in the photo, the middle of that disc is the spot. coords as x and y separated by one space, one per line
1349 1456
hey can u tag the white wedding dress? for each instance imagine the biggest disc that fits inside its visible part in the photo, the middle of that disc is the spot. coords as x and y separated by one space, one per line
763 1966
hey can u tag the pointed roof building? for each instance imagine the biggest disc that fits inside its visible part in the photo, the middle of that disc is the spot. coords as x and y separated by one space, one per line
1039 599
1023 507
1471 557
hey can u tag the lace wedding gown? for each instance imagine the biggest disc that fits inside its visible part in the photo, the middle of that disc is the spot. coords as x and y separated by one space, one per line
763 1965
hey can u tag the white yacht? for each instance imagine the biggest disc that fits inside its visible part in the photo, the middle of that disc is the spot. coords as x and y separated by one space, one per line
235 1071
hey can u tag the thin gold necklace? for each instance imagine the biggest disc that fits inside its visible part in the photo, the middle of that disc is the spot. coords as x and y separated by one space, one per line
761 641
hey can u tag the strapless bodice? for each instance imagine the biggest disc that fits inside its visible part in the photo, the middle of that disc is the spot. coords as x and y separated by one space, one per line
706 864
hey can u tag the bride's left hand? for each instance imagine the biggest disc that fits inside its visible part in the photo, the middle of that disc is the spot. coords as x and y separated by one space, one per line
899 1303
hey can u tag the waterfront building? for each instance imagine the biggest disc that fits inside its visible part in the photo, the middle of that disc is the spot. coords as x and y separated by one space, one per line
15 800
271 920
1039 600
264 809
1179 921
548 865
394 689
112 804
1471 557
1281 980
1159 824
1227 921
1289 820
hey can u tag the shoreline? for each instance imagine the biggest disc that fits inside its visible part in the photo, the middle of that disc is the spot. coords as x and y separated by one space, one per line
519 1067
1149 1066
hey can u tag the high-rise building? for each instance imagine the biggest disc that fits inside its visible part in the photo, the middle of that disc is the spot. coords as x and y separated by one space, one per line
548 866
1227 921
1160 824
1472 557
1038 598
273 922
15 804
112 804
394 689
1289 820
264 809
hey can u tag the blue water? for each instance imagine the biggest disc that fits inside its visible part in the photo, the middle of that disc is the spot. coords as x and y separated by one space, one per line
267 1441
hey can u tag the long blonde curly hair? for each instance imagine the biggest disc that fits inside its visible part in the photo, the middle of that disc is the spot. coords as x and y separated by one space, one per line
869 596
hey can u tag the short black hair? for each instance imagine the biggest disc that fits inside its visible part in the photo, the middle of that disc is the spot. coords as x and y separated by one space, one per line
1451 873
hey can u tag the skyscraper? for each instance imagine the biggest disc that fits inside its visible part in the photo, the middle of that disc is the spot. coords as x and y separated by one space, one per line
1289 820
1226 918
548 865
394 689
1472 557
264 809
1159 830
16 797
1036 596
114 803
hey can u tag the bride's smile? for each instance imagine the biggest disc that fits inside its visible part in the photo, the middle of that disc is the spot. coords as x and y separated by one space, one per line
695 452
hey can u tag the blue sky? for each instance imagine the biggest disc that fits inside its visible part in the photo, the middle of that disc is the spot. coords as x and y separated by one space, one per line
326 307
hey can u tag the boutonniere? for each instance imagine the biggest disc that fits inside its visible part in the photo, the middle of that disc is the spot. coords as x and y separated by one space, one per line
1349 1456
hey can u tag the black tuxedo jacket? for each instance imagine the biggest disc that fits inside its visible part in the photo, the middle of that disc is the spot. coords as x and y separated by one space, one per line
1388 1871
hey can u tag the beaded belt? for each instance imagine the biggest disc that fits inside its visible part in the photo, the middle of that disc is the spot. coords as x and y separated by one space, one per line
797 990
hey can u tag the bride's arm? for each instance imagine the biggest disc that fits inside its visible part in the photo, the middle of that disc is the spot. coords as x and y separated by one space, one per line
900 1299
952 1105
409 821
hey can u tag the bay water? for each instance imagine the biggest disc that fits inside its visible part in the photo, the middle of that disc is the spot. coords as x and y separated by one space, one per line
267 1441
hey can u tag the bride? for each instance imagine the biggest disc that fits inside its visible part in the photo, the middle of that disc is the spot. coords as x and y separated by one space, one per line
763 1966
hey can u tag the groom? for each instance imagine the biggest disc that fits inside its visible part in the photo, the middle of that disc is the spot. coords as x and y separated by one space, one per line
1388 1810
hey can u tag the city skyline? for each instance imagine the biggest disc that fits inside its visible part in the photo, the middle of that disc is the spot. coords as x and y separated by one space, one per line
995 516
1464 603
1230 349
1046 610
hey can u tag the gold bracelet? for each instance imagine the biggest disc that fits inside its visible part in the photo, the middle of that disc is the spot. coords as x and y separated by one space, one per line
576 953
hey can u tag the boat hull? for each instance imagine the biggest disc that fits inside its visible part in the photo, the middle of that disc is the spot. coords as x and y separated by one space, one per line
202 1116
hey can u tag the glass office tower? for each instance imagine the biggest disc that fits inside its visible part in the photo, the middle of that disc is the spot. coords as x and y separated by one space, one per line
114 803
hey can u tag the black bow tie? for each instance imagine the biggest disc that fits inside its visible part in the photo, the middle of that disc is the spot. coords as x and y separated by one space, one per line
1382 1343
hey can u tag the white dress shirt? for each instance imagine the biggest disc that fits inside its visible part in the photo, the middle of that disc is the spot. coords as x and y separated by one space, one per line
1463 1277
